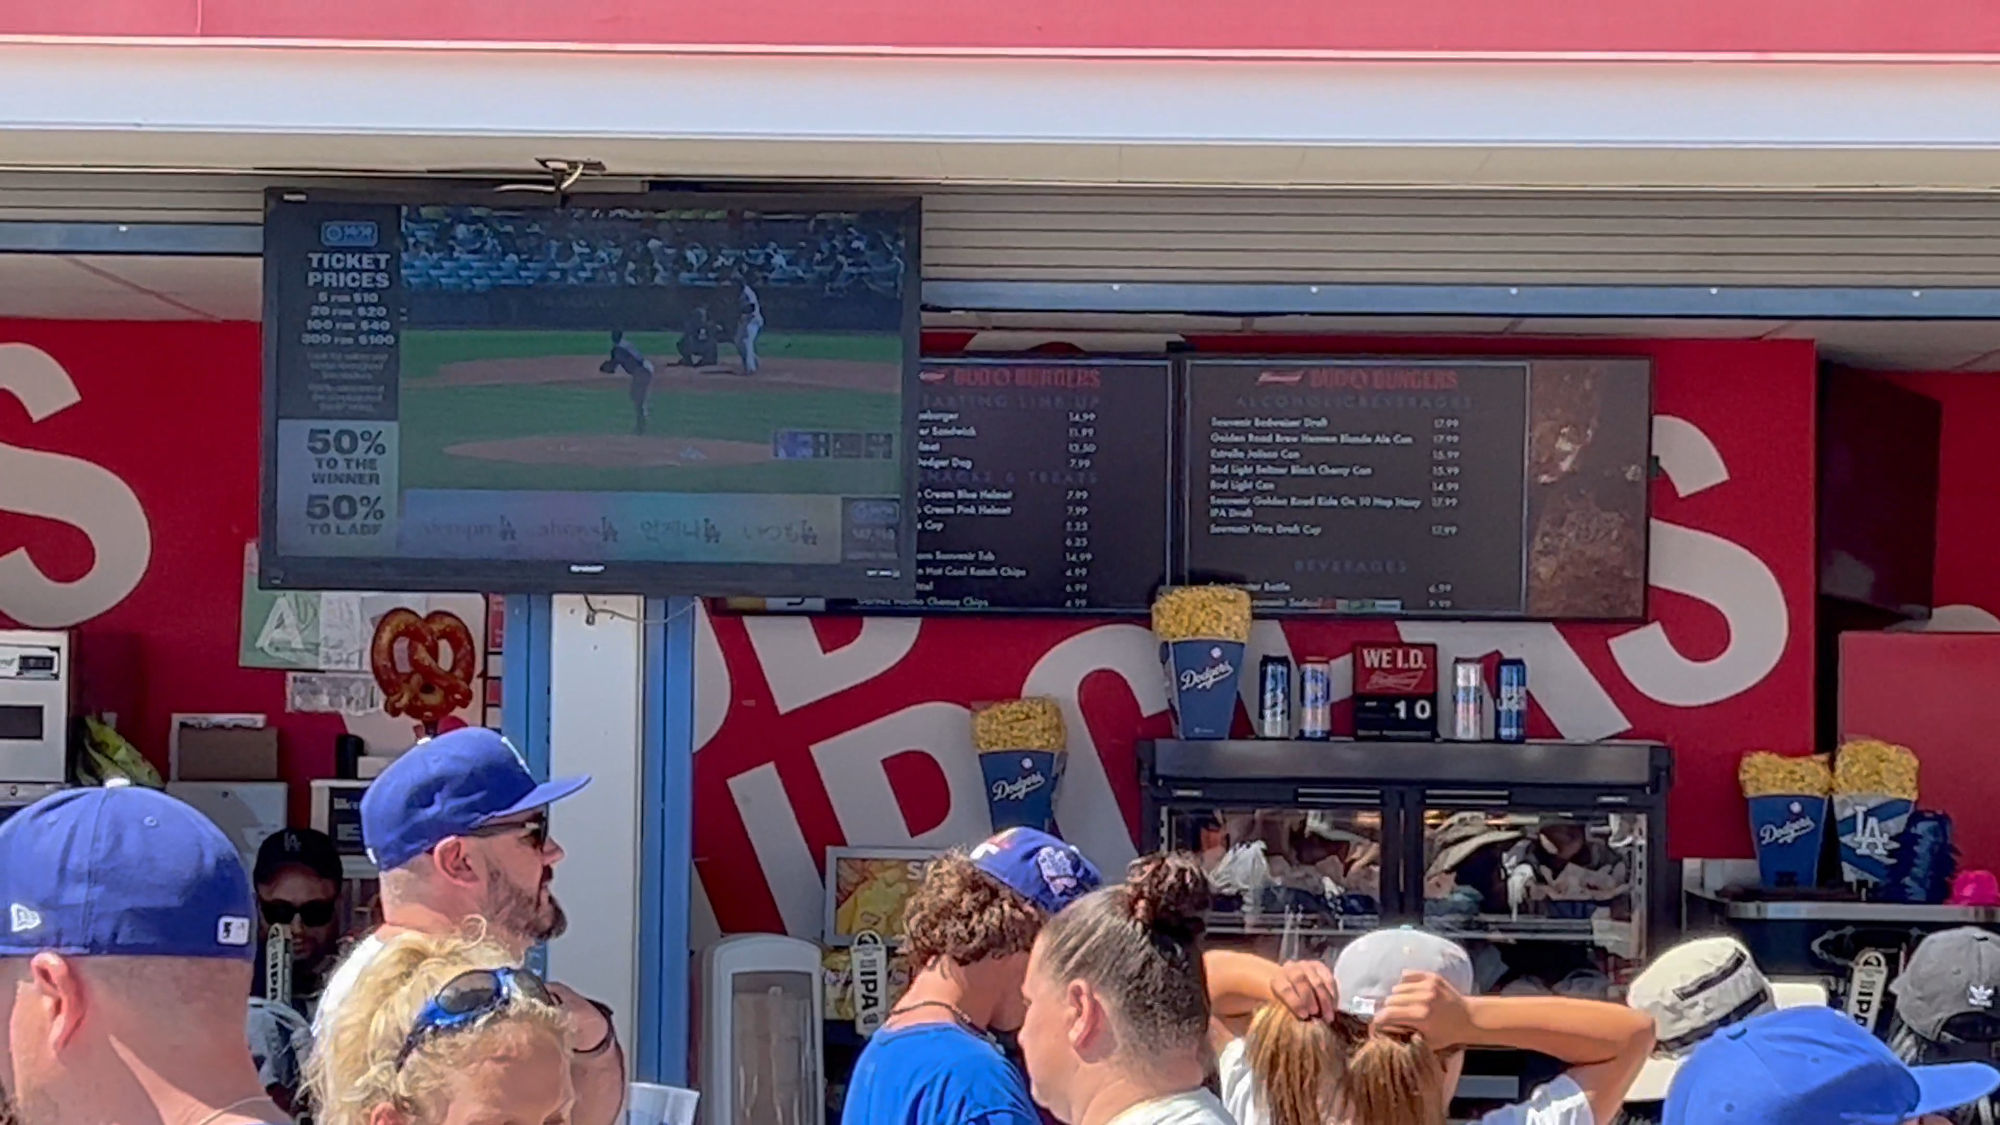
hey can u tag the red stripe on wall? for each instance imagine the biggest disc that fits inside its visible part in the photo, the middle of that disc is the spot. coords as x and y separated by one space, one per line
1459 26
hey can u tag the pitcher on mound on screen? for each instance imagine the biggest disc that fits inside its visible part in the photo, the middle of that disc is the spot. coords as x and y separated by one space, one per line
626 358
749 322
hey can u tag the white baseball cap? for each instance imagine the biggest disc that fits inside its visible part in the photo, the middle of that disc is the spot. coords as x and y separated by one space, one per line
1371 966
1695 990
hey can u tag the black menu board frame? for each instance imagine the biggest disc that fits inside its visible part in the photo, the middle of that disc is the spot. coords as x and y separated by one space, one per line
1546 527
938 438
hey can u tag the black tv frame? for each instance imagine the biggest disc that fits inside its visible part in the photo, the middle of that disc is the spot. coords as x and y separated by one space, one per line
536 576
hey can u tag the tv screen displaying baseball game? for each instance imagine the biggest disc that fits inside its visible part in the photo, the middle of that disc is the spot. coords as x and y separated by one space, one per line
672 394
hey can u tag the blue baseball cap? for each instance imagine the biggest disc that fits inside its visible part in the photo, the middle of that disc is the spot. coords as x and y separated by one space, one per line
1037 866
122 872
448 786
1809 1066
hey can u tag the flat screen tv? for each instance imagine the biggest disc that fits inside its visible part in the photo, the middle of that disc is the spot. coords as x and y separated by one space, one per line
1463 487
669 393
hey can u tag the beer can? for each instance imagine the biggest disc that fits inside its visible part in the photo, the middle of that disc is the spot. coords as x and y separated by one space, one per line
1468 699
1315 699
1510 702
1274 697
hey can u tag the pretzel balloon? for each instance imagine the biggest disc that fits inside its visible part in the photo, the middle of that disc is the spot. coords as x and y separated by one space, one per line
407 658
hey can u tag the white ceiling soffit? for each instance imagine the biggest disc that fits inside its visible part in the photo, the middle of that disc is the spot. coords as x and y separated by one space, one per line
907 119
132 287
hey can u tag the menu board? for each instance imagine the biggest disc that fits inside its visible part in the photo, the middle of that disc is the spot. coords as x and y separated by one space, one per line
1419 487
1042 484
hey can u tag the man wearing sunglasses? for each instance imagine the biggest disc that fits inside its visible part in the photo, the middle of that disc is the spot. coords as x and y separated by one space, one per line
459 829
298 877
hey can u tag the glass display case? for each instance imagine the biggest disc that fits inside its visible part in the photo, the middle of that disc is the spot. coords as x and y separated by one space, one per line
1547 860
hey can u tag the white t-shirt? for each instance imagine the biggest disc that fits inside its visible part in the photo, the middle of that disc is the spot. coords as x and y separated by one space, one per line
342 981
1198 1107
1241 1092
1561 1102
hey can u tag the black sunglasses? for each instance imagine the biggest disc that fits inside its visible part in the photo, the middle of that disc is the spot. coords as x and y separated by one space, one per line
535 831
318 912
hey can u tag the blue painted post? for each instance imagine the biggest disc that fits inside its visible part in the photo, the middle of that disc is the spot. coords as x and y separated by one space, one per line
666 846
524 695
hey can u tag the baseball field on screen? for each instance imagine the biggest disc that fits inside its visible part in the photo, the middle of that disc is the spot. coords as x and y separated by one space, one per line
534 410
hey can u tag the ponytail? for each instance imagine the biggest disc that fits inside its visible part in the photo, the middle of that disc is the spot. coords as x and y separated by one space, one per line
1297 1064
1392 1077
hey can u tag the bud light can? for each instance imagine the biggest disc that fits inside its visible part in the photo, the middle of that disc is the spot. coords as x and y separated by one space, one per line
1468 699
1274 697
1315 699
1510 702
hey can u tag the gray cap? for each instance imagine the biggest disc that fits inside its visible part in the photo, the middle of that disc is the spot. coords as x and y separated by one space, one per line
1373 964
1952 973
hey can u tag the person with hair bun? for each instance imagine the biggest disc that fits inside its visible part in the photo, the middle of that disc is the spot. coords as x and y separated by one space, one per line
967 930
1117 1027
443 1031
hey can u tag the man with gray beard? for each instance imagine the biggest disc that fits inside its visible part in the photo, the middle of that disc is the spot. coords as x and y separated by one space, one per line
459 830
125 966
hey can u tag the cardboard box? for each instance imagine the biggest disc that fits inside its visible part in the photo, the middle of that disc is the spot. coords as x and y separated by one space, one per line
227 754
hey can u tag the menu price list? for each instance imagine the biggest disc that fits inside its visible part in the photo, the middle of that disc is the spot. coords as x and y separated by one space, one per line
1368 486
336 276
1040 485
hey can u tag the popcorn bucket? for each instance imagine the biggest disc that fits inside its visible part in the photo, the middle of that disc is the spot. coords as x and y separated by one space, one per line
1790 830
1021 787
1869 824
1204 674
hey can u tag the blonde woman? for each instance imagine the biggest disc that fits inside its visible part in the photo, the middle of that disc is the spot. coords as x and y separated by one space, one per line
443 1031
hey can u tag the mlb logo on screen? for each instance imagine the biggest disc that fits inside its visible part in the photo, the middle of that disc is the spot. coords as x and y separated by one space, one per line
348 234
232 930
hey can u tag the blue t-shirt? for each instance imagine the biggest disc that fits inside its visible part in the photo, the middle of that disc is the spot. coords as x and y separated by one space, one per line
935 1074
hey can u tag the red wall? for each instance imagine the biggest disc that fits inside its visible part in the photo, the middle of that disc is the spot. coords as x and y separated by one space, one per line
1814 27
848 732
170 412
816 734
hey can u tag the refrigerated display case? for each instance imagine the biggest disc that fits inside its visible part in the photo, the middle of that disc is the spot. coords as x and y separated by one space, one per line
1547 860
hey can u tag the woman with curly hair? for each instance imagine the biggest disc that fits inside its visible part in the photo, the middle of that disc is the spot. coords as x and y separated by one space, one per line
443 1031
967 930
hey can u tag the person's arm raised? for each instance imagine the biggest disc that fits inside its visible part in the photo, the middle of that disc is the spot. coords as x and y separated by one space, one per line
1605 1045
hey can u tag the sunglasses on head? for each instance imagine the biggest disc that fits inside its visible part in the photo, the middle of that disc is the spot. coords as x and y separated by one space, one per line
535 830
468 997
318 912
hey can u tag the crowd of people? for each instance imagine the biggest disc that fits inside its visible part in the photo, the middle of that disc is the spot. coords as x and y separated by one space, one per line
473 250
1041 993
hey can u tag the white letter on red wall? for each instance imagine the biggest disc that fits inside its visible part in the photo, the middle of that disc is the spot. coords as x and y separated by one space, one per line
69 490
1723 574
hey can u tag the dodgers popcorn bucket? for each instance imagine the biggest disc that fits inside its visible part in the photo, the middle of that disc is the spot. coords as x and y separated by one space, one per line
1021 754
1871 826
1203 631
1204 686
1021 787
1790 831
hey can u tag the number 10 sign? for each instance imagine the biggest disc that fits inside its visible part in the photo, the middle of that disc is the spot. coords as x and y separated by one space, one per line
1395 692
